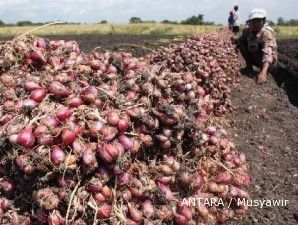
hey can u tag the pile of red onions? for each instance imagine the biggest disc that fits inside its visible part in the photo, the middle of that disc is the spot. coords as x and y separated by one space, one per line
110 138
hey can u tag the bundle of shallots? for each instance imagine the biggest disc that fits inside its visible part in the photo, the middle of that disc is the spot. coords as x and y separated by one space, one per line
106 138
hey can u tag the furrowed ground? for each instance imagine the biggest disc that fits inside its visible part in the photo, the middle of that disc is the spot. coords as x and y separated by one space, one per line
263 125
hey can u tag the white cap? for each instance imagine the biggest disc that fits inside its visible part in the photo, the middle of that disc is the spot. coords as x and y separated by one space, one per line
257 14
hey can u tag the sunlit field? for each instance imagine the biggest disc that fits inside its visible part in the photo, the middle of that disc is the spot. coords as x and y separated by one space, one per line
286 32
104 29
283 32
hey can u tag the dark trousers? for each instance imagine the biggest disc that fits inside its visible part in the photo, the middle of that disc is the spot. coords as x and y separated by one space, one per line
236 29
250 58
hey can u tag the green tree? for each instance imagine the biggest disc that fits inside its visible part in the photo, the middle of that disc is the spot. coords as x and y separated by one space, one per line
103 22
148 21
200 18
292 22
135 20
2 23
194 20
208 23
169 22
280 21
24 23
270 23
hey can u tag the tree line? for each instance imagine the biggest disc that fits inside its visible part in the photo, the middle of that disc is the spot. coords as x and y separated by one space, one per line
29 23
282 22
193 20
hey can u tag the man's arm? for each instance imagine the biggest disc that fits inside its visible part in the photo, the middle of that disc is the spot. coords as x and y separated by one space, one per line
262 77
268 41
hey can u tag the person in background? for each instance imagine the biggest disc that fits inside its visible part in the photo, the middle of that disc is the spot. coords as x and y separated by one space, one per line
257 45
231 21
236 19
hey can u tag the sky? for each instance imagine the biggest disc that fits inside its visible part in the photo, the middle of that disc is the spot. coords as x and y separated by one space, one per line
119 11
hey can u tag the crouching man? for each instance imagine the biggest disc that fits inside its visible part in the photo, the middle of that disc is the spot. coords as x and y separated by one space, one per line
257 44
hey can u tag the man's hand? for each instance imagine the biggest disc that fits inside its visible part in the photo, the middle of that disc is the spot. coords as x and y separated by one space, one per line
262 78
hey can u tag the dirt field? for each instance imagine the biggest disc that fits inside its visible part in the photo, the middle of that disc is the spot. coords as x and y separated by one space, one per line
288 56
264 127
264 124
288 52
